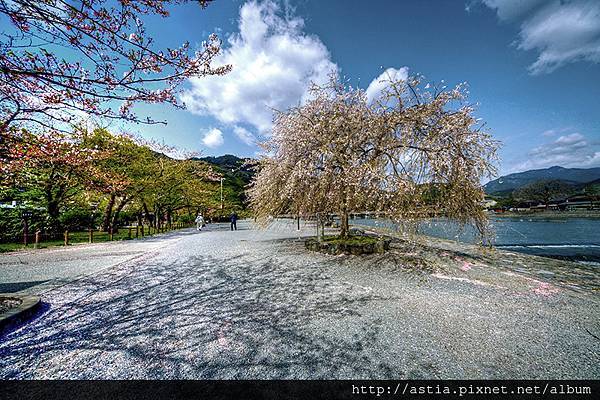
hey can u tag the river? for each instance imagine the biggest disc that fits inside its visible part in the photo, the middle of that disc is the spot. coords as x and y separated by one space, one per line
576 239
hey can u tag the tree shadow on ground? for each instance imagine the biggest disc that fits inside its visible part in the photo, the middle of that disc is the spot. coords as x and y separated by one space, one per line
19 321
199 317
13 287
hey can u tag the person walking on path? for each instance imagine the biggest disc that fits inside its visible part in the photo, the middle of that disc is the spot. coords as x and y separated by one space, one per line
199 222
234 218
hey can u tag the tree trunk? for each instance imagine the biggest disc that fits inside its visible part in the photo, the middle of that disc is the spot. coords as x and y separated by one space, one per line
319 237
157 211
106 222
147 213
53 209
118 210
344 228
52 206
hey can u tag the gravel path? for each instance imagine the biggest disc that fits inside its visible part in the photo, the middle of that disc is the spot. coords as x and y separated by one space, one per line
36 271
255 304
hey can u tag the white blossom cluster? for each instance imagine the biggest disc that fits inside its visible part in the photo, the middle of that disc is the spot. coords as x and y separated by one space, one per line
414 152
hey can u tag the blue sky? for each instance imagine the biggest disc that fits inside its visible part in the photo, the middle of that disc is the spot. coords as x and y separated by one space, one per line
533 67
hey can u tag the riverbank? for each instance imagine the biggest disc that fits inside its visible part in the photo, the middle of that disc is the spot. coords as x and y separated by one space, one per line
569 239
493 264
551 214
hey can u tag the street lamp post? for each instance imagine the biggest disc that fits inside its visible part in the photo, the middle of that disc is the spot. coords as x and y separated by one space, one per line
222 179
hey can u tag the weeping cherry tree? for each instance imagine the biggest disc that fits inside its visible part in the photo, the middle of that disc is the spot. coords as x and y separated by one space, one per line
416 151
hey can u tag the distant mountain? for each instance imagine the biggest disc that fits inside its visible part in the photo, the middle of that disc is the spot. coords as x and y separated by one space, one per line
230 166
574 176
236 176
227 161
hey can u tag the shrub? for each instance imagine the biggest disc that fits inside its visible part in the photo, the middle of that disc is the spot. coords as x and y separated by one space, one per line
77 219
11 222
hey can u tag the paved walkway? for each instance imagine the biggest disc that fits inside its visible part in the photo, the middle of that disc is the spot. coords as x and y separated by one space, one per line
255 304
36 271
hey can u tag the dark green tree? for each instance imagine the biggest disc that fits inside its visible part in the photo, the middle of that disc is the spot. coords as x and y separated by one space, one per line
543 191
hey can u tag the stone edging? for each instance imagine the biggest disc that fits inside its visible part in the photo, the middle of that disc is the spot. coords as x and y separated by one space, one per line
380 246
27 306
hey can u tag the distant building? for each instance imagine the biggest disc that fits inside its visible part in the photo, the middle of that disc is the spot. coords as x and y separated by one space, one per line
489 203
580 202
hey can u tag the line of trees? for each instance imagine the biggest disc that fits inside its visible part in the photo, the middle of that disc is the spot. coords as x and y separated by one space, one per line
96 178
62 62
543 191
547 191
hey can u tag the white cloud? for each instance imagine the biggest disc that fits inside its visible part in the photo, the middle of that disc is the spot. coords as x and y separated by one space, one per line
244 135
510 9
378 84
213 138
574 139
556 131
573 150
561 32
549 133
273 63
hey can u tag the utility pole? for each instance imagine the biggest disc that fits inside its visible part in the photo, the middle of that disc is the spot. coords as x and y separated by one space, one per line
222 178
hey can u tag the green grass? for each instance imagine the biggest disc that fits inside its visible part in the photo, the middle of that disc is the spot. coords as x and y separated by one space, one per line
76 238
5 247
351 240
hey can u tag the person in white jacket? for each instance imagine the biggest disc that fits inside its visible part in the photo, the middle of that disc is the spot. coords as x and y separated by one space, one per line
199 222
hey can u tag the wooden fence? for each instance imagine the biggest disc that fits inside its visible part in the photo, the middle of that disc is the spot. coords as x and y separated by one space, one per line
42 238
